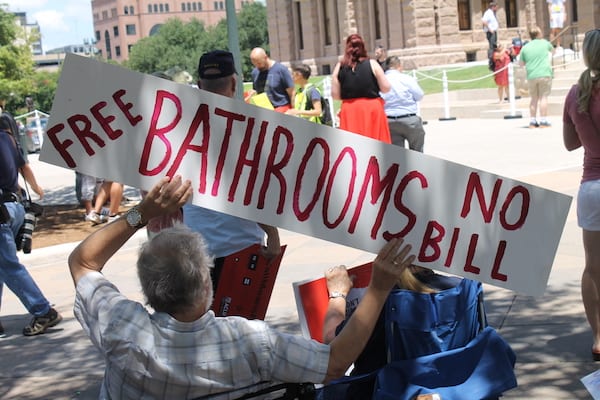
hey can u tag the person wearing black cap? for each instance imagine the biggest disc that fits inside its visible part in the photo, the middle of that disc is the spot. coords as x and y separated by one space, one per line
225 234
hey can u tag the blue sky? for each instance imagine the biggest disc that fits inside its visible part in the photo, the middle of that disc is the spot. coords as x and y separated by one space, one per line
62 22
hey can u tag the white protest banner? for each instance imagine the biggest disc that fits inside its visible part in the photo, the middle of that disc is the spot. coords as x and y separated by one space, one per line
110 122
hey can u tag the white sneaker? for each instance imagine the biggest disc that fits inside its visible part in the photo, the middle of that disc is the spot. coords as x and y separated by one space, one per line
95 219
112 218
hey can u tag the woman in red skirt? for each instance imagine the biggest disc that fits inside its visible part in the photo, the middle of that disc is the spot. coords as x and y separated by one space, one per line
501 61
357 81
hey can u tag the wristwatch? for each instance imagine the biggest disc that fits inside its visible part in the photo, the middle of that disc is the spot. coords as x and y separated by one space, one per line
134 218
335 295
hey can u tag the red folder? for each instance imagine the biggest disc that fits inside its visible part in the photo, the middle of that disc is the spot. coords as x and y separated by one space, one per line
246 283
312 299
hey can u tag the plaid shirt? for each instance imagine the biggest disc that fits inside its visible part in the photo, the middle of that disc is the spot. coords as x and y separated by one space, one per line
155 356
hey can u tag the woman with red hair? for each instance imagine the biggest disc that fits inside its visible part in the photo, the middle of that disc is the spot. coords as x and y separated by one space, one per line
357 81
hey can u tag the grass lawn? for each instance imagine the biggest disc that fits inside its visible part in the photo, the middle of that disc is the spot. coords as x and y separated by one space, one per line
459 77
470 77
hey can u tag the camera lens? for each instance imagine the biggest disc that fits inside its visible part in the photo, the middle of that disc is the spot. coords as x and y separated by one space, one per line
28 227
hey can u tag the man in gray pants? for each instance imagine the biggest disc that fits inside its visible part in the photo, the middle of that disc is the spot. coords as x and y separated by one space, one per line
401 106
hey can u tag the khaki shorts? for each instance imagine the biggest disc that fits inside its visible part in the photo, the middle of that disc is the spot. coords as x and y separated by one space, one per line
540 87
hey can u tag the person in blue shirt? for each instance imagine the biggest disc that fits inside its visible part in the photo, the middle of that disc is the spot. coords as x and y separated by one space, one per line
273 78
401 107
12 215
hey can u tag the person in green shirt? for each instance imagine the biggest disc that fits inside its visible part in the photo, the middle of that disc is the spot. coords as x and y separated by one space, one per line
536 56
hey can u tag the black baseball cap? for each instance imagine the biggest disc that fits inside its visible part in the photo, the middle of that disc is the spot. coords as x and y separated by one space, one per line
216 64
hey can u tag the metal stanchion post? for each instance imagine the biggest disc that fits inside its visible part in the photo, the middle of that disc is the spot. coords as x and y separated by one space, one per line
447 116
511 94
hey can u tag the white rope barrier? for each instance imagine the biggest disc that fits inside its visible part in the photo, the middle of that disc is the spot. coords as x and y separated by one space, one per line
511 85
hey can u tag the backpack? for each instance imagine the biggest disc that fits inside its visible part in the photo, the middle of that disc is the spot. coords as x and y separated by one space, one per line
325 118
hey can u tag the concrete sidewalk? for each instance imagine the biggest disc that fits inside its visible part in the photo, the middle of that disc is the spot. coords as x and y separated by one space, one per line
549 334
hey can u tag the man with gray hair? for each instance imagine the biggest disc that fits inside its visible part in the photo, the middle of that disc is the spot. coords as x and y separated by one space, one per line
181 350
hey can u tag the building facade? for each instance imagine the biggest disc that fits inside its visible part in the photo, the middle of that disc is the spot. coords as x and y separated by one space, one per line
422 32
28 31
119 24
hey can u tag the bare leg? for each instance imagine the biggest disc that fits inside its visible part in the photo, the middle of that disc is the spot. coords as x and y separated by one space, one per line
500 91
590 284
533 107
543 107
102 196
555 33
116 195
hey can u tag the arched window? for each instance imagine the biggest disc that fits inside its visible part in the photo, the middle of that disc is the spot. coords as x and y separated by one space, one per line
107 45
154 29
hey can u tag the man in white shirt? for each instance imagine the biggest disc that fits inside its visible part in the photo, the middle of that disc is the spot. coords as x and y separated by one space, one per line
401 106
490 26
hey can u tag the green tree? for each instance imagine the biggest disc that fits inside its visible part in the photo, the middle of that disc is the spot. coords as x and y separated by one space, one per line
16 63
252 32
179 44
44 87
176 44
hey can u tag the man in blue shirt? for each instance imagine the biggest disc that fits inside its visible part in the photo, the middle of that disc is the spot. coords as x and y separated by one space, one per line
273 78
401 106
12 214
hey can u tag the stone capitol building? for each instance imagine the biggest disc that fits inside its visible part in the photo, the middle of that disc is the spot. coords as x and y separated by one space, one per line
422 32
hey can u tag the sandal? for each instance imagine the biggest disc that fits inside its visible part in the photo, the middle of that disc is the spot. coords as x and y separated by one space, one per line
38 325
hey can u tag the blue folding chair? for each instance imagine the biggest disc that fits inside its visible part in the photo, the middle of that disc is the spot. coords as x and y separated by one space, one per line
437 343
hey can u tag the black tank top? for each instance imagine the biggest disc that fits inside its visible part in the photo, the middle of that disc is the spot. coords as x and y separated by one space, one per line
359 82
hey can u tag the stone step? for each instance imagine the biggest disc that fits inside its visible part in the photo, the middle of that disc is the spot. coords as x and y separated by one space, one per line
484 105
